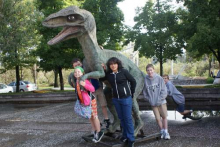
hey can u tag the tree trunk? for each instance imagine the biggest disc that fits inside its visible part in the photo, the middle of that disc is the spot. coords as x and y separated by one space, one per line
210 66
161 61
218 59
17 78
61 78
56 78
21 77
35 73
161 67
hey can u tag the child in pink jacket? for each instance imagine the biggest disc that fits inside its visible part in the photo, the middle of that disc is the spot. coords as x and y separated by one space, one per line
84 96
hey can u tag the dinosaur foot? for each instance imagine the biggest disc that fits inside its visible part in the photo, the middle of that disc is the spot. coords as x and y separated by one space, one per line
113 127
138 127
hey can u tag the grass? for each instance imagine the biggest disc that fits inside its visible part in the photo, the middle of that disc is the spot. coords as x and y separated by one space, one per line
199 86
212 86
41 89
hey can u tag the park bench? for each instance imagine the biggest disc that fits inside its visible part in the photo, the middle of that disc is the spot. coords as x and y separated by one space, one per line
196 99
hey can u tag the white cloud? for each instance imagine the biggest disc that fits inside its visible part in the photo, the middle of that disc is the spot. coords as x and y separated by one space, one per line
128 8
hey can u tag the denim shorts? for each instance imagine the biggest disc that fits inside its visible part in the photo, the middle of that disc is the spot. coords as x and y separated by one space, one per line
180 108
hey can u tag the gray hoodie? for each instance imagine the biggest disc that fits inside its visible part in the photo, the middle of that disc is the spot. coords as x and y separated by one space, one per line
155 90
172 91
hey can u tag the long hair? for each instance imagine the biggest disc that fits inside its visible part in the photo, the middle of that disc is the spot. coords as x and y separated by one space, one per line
114 60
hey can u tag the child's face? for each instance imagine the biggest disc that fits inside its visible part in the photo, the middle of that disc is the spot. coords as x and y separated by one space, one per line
78 63
165 79
114 67
150 72
77 73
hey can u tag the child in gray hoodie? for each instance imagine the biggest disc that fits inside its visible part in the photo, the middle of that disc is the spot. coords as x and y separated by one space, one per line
177 96
155 92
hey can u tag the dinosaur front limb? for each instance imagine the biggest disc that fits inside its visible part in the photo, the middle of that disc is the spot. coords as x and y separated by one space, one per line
93 75
116 123
71 80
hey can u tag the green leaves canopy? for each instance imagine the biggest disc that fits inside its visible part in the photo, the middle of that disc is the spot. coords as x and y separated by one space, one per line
18 32
108 19
155 32
201 27
59 55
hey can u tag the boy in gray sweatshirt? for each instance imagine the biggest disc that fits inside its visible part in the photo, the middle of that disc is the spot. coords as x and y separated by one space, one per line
178 97
155 92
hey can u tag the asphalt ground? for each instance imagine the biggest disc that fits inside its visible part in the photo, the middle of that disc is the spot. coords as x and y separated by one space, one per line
56 125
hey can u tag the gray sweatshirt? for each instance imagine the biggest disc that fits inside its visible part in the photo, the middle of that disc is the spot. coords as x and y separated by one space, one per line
155 90
172 91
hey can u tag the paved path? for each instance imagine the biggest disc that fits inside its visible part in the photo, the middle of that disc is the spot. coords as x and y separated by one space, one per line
56 125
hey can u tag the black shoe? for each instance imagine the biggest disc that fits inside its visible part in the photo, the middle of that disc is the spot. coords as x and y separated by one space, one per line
99 137
130 143
107 123
187 115
124 140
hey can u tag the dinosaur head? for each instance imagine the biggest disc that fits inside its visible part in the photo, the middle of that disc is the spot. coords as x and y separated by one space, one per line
75 22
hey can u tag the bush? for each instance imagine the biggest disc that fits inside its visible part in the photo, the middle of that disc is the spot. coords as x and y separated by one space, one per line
209 80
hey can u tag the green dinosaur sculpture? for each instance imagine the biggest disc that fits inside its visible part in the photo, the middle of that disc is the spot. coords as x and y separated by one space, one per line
80 24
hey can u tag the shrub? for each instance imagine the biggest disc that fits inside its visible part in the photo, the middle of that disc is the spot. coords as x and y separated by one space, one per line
209 80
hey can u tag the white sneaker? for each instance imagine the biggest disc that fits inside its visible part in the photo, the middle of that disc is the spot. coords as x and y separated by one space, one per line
166 136
162 134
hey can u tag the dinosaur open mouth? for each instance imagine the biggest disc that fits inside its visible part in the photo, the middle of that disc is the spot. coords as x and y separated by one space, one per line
66 32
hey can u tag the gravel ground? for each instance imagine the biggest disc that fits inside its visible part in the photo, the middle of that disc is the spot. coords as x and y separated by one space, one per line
56 125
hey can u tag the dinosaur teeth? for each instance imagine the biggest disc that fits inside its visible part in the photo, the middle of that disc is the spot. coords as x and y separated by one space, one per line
67 31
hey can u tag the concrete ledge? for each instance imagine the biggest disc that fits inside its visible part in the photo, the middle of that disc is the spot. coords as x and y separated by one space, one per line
38 97
196 99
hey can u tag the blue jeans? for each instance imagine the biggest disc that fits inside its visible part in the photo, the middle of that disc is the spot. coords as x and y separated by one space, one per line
124 110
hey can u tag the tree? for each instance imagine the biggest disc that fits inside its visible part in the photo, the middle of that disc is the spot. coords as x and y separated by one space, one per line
201 27
109 20
18 34
59 56
154 33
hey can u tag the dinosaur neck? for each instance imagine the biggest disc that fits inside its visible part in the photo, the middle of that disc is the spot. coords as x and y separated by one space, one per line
90 46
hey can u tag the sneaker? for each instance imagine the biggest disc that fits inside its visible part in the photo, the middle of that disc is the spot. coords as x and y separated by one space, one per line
107 123
95 134
123 139
162 134
167 136
131 144
187 115
98 137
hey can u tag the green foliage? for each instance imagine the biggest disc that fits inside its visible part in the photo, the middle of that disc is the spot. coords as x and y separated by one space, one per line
18 32
209 80
108 19
201 27
213 86
155 32
60 55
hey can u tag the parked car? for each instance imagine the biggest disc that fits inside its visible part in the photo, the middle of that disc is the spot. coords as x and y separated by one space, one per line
24 86
5 89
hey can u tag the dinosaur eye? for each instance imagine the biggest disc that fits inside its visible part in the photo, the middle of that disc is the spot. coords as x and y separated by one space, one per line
71 18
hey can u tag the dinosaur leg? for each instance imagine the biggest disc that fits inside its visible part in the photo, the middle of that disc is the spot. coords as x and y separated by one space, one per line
138 123
71 80
116 123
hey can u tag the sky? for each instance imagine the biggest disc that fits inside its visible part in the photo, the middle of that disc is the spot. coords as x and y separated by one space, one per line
128 8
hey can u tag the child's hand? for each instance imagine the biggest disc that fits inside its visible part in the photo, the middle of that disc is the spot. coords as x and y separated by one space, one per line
82 83
103 66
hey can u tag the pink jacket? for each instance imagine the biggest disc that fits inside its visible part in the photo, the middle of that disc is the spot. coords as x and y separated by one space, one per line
89 87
